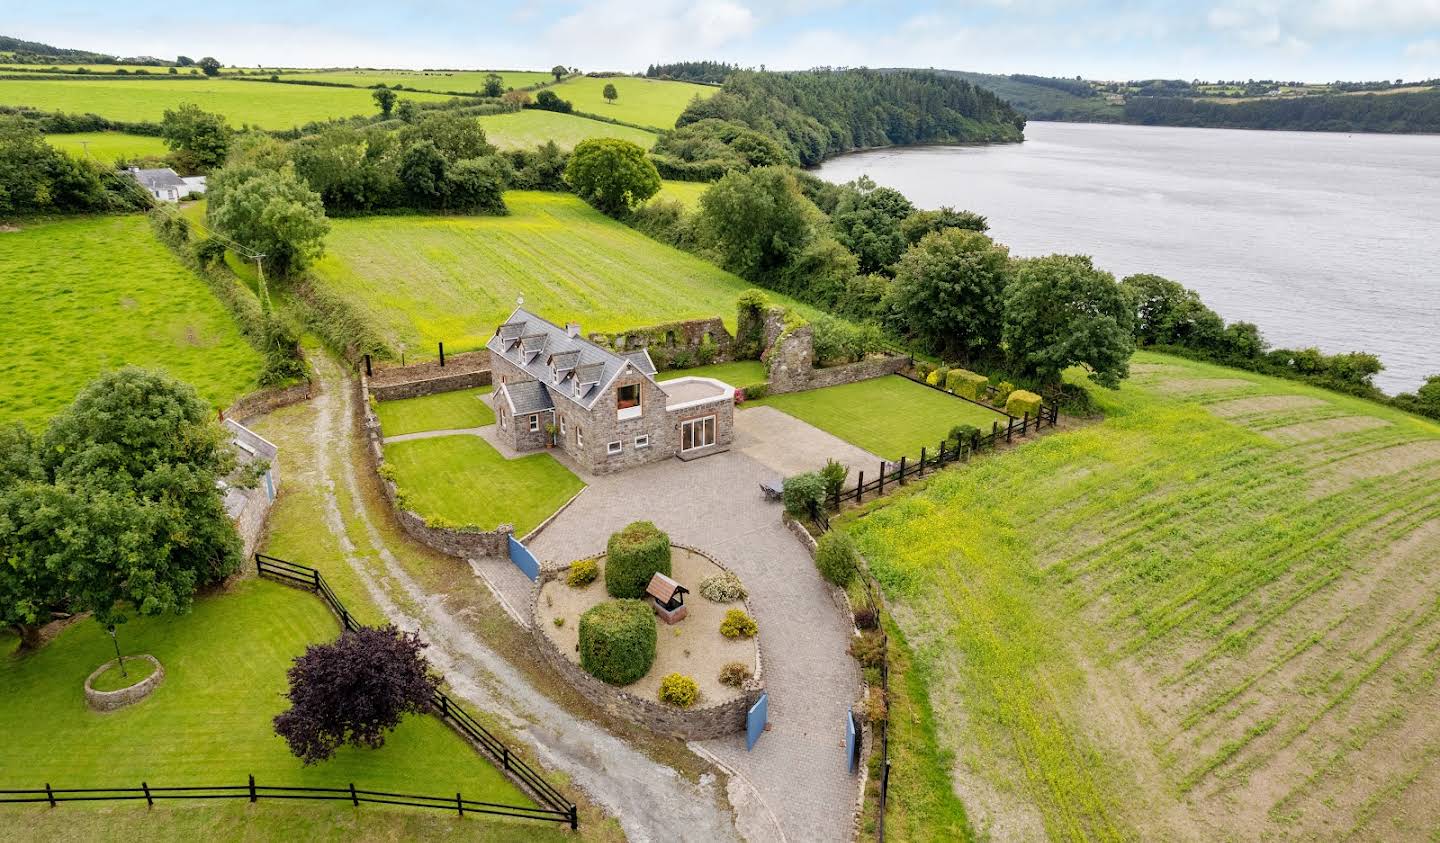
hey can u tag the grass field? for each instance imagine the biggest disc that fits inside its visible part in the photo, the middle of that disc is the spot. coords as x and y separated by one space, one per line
446 411
464 81
106 68
890 417
109 146
466 481
531 127
257 103
84 295
644 102
687 193
429 279
738 373
1213 615
209 722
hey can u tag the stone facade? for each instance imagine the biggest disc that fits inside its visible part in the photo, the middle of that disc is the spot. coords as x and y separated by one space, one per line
695 341
695 724
112 700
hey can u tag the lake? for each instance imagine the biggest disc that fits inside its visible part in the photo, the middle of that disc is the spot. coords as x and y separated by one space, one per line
1330 240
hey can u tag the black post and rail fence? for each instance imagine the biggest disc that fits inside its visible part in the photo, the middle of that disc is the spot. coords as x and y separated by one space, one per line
552 805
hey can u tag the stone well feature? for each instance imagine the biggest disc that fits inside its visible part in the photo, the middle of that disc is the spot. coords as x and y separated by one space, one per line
112 700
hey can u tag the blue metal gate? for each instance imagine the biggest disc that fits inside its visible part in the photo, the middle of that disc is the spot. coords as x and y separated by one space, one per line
524 559
852 740
755 720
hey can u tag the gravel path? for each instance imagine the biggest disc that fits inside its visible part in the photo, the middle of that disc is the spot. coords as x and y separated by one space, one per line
652 801
797 769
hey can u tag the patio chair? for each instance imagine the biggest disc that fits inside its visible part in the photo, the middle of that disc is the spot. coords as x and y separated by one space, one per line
772 489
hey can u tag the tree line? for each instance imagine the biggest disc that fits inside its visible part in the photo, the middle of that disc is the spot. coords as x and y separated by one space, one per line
1410 112
704 72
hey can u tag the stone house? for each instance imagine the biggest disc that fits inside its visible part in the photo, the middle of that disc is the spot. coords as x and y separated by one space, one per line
607 410
248 508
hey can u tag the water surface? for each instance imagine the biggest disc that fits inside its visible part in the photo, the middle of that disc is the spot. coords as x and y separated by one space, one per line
1331 240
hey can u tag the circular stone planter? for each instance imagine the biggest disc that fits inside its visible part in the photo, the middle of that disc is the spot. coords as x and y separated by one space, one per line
111 700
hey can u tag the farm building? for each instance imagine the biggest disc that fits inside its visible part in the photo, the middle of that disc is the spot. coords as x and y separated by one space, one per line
605 409
248 508
166 185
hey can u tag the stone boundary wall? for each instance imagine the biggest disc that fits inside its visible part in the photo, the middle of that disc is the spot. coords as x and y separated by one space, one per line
697 724
464 544
112 700
267 400
461 371
790 359
689 336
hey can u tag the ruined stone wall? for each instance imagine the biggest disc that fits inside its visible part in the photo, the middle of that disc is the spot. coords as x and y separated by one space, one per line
694 342
791 361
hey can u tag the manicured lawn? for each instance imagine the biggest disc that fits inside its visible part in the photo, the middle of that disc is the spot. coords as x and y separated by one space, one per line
258 103
463 480
890 416
209 722
88 294
429 279
739 373
109 146
1221 595
439 81
644 102
113 679
687 193
447 411
531 127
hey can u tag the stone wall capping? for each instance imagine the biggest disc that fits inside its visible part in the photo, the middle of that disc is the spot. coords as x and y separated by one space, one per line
112 700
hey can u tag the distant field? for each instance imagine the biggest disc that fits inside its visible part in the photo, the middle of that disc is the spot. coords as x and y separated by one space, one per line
427 279
531 127
85 295
1212 616
109 146
426 80
111 68
687 193
258 103
644 102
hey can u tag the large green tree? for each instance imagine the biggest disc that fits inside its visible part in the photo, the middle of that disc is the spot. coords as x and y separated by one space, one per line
455 137
1166 313
921 223
494 85
118 507
269 211
949 293
867 222
384 100
1060 311
613 175
758 222
198 138
210 66
37 178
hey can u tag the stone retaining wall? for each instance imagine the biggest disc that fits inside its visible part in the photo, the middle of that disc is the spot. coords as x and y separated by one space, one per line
697 724
111 700
461 371
464 544
264 401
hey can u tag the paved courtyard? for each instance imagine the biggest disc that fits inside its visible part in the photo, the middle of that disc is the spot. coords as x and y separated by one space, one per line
798 768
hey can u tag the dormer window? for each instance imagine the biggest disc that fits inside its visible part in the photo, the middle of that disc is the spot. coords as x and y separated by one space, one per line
627 401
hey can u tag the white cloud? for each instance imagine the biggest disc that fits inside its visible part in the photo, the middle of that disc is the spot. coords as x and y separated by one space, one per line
1399 16
623 35
1427 49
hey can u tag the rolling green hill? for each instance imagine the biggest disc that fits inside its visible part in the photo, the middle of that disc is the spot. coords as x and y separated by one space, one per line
644 102
1042 102
440 81
528 128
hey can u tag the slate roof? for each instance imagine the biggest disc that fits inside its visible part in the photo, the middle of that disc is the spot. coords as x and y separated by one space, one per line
158 179
527 397
572 367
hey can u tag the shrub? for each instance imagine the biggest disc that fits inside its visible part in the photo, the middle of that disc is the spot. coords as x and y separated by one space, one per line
582 573
876 710
633 556
755 391
679 690
933 378
835 557
737 624
966 383
1022 402
834 474
962 433
802 490
617 641
867 618
735 674
1002 393
942 375
868 649
722 588
923 369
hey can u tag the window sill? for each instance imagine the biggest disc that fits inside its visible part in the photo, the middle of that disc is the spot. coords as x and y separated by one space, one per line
629 413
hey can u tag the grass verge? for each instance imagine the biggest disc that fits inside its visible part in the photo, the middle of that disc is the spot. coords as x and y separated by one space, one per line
456 410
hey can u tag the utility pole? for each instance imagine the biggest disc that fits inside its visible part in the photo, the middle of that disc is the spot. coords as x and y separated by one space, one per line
264 292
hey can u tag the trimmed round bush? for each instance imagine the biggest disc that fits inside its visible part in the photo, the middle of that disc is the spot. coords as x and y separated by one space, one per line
722 588
737 624
734 674
800 491
633 556
679 690
1022 401
582 573
836 558
617 641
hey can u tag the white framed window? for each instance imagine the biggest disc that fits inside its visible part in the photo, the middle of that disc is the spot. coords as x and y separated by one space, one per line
697 433
562 425
613 448
534 422
642 441
503 426
627 402
579 436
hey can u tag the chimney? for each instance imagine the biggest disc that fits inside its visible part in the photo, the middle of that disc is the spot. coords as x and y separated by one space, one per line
572 329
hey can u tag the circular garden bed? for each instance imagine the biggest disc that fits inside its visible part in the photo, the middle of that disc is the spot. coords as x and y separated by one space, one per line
106 689
692 647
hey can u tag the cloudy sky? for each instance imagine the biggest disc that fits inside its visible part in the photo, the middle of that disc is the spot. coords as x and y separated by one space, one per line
1318 40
